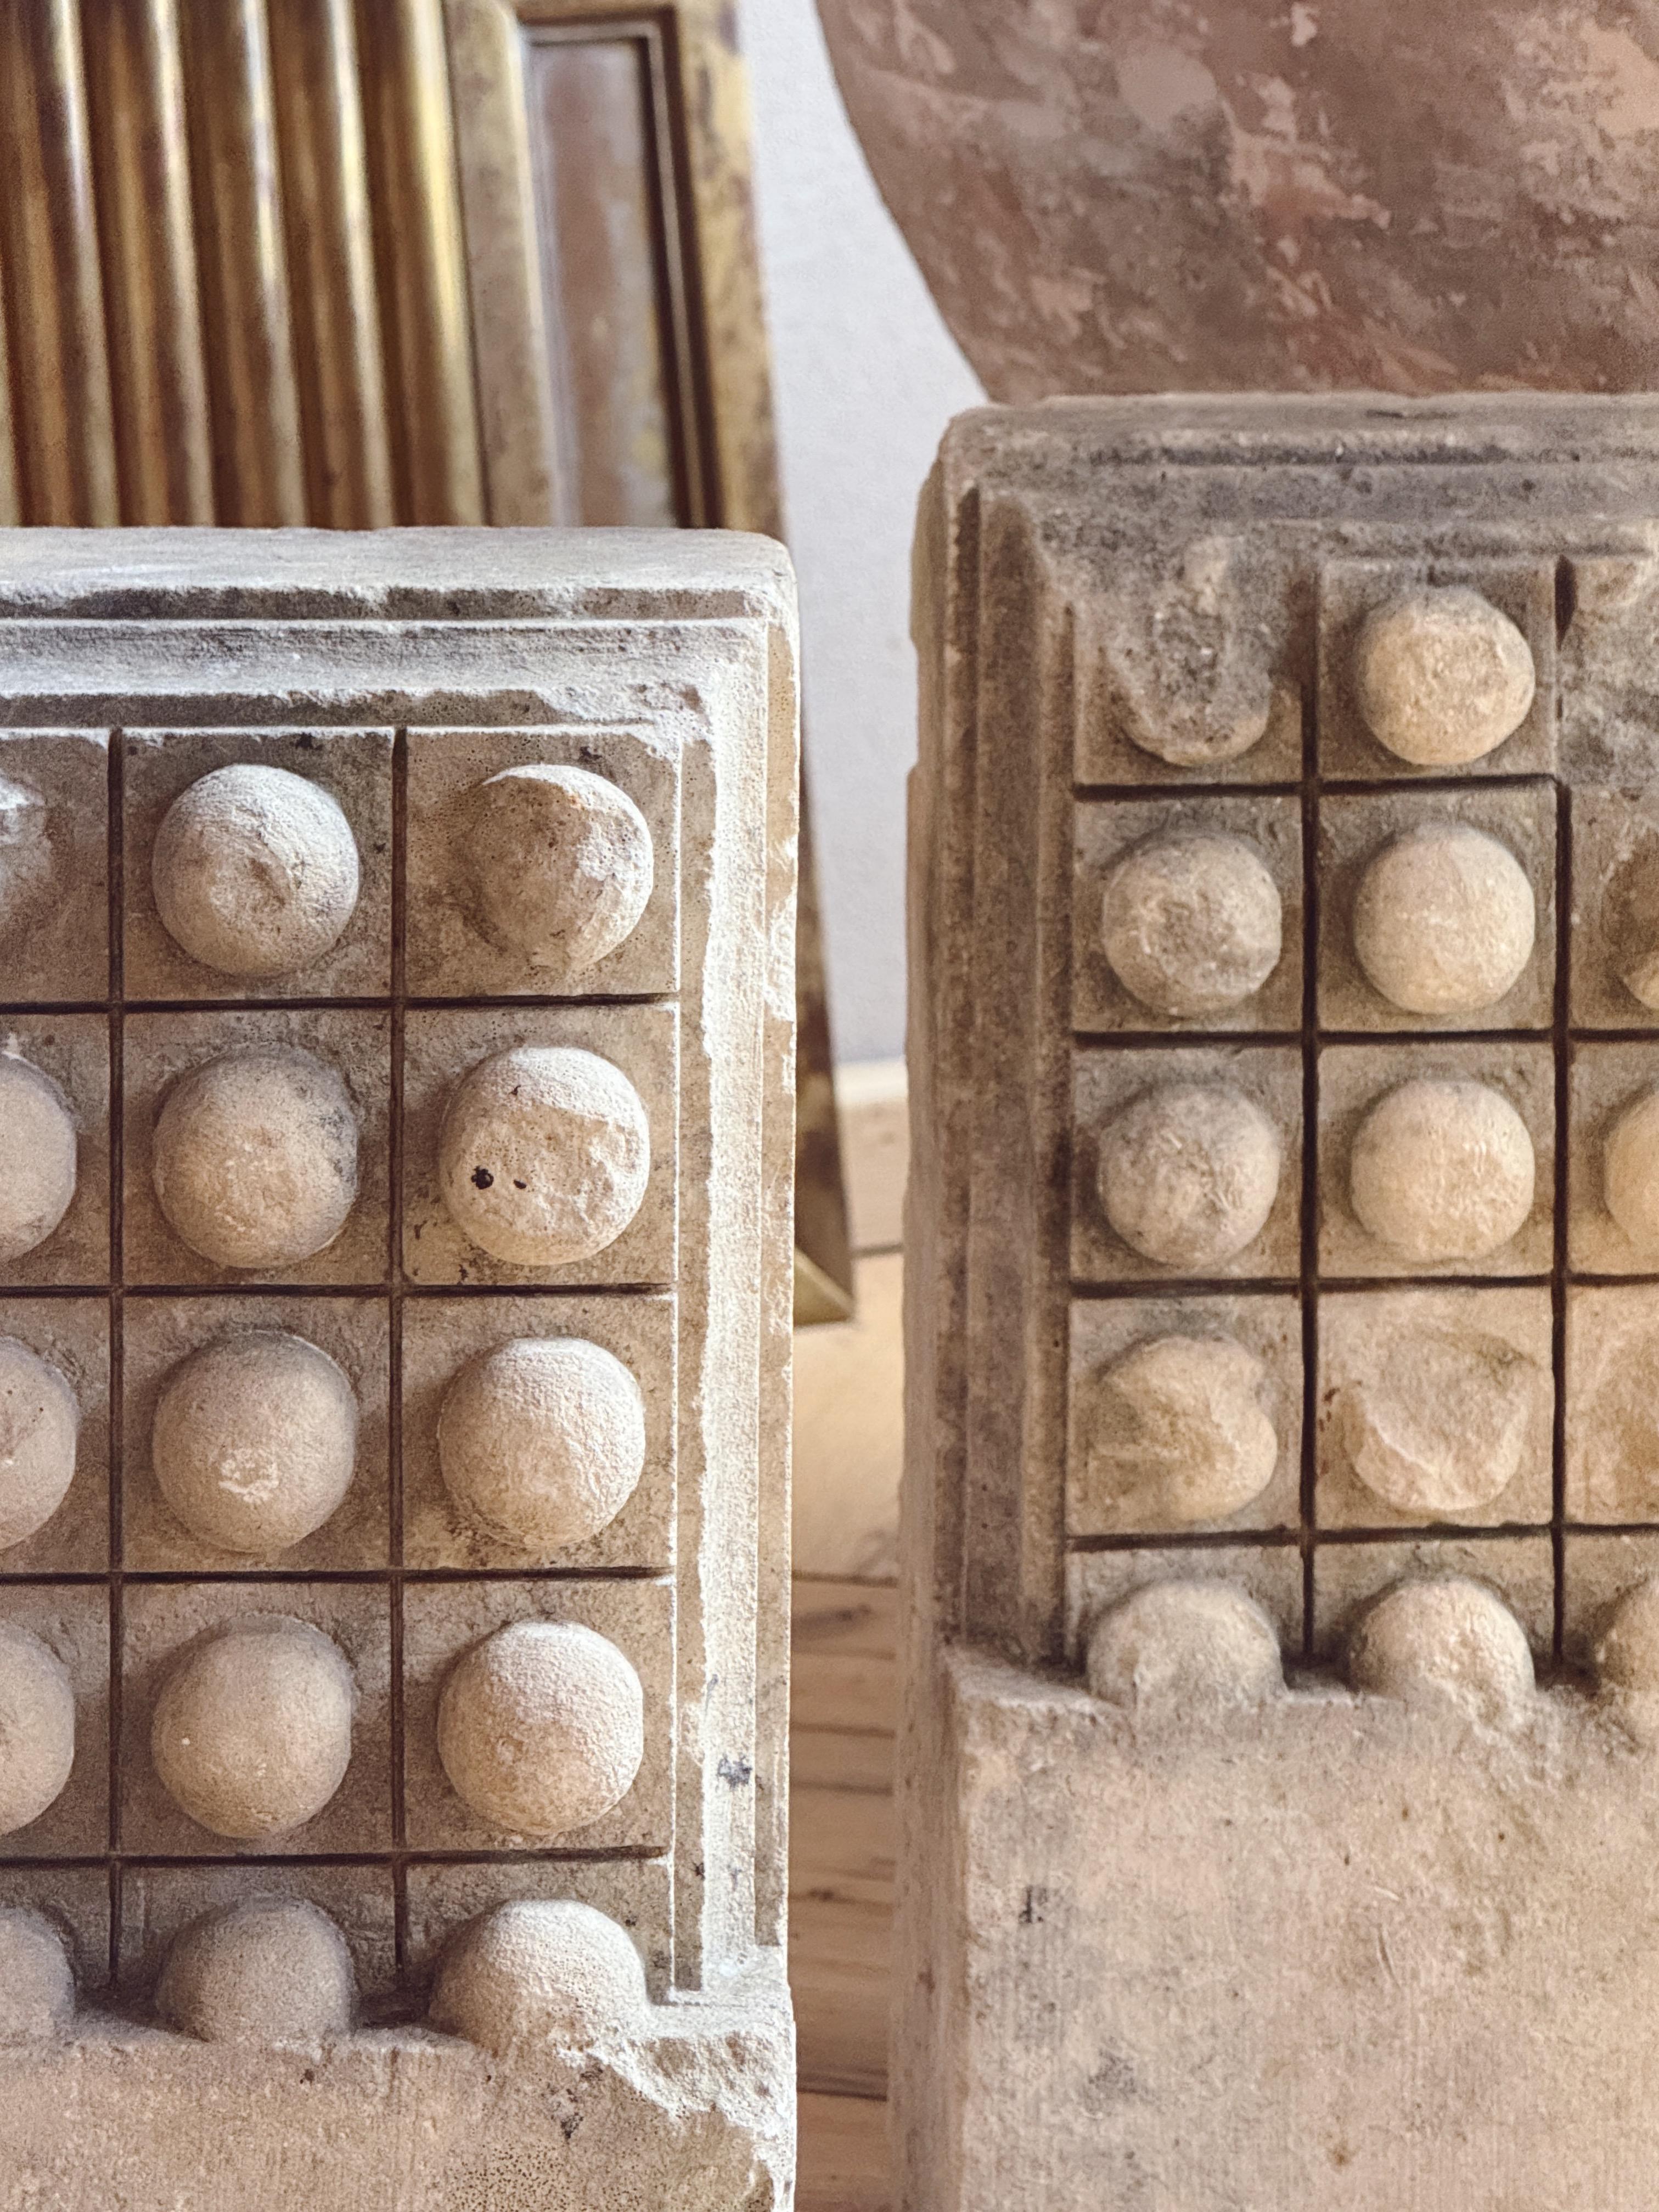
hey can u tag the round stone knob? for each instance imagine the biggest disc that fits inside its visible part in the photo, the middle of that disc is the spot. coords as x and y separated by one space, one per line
1444 1641
1438 1423
542 1441
541 1727
255 1157
539 1971
1442 676
268 1970
25 858
545 1155
562 862
255 870
251 1733
1179 1429
38 1423
1630 1172
37 1728
37 1984
1444 920
1174 1651
255 1441
1189 1173
1443 1169
1631 919
37 1157
1191 923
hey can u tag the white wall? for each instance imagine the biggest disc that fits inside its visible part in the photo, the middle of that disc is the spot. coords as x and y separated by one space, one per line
866 377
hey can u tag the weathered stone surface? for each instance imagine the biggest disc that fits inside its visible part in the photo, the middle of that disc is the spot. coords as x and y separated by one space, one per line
432 1564
1280 1533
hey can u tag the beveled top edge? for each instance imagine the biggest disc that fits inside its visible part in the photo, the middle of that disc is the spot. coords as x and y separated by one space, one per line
1315 428
462 574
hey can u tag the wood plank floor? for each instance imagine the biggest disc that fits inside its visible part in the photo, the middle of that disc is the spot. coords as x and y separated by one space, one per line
840 1885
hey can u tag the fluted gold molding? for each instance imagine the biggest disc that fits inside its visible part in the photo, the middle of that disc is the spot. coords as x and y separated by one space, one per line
60 371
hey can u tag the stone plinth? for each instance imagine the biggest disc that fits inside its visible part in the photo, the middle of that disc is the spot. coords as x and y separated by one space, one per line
1281 1514
396 1140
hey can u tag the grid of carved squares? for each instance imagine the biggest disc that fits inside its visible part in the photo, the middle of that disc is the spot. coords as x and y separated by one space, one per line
1378 1324
398 1565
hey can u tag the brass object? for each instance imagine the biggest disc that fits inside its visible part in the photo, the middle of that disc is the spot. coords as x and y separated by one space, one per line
279 262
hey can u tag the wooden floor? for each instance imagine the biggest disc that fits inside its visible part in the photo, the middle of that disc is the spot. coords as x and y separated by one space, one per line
840 1886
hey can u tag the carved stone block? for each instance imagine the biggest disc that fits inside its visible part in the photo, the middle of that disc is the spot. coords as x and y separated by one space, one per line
1281 1519
395 1152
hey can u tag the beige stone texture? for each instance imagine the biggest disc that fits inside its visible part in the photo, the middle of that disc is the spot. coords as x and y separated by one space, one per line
1352 593
445 1622
449 952
1355 827
54 862
71 1621
1270 828
165 1624
1612 1472
441 1049
158 1903
1135 1460
161 1048
1609 1081
442 1336
1108 1085
71 1051
1185 1920
1269 1574
72 1336
1435 1406
1354 1079
1350 1577
352 767
634 1893
397 672
1616 918
159 1333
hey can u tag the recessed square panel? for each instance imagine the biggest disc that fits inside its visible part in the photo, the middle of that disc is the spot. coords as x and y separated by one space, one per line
1186 1413
54 1102
1198 1154
158 1903
1436 910
255 874
445 1621
273 1119
70 1338
261 1395
1597 1571
1200 899
67 1659
1612 1427
634 1893
503 1374
229 1649
54 897
1615 910
1350 1577
1435 1160
1613 1193
1521 590
612 1191
525 883
1268 1572
1434 1406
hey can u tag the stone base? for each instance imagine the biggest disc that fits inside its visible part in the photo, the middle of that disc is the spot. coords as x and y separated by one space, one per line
1331 1954
697 2114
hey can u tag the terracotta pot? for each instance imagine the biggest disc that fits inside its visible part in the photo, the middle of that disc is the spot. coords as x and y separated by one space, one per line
1144 195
